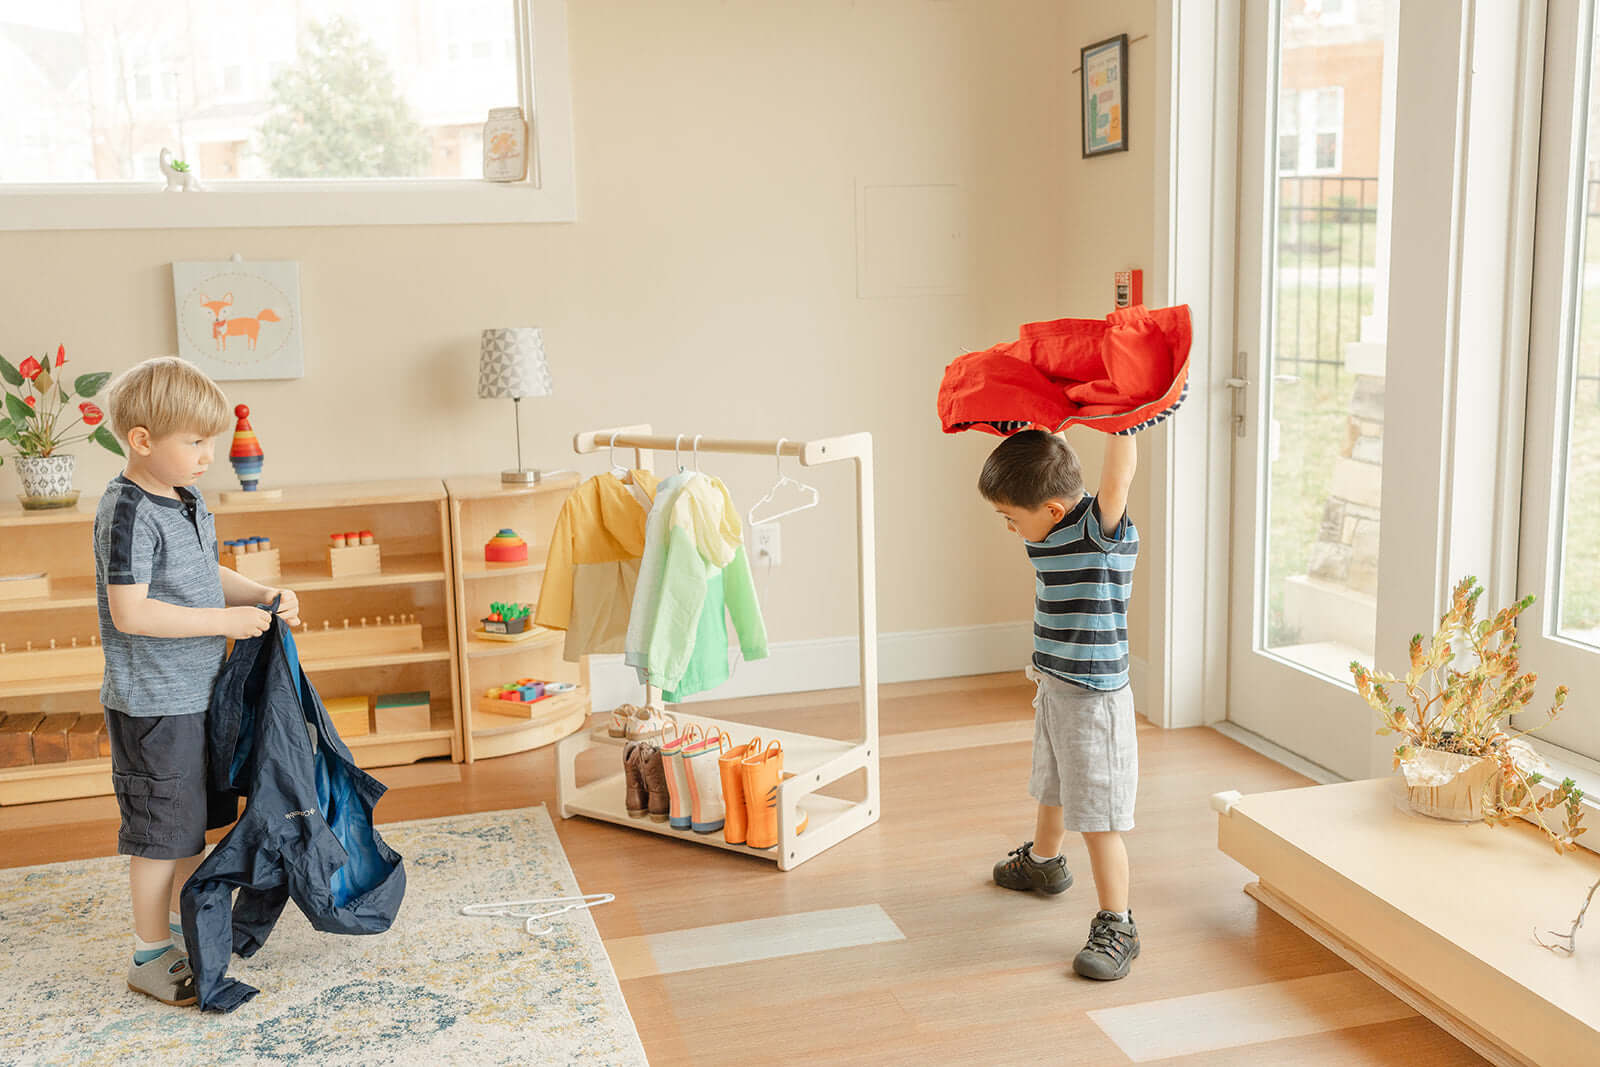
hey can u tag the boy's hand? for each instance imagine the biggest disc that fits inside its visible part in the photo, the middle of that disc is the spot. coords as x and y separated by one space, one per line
242 623
288 607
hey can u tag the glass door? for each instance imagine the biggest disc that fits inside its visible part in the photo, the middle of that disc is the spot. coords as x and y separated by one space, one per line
1315 132
1559 549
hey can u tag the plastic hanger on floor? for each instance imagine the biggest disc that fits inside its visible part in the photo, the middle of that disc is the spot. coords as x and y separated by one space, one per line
812 496
516 909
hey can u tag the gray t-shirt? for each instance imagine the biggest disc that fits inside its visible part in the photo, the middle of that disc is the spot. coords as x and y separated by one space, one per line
171 546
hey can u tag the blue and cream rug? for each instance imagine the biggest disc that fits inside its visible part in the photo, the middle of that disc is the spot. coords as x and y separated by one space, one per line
438 988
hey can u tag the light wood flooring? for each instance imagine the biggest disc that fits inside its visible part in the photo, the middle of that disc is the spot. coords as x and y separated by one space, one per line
919 957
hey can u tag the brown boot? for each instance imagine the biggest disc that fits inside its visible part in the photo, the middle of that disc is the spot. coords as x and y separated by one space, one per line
654 774
637 800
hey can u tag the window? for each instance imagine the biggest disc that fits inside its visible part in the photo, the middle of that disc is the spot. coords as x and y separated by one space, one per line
116 82
1311 130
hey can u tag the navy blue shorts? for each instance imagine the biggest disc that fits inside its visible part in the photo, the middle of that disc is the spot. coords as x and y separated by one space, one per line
158 771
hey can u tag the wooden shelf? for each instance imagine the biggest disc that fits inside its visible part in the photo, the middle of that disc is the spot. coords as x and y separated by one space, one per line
337 495
399 570
475 571
64 593
488 724
477 646
435 647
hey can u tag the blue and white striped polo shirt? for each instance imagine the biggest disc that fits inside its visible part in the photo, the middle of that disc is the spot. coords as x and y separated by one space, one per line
1080 617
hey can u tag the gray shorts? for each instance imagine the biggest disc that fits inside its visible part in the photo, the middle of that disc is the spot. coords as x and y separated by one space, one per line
158 771
1085 754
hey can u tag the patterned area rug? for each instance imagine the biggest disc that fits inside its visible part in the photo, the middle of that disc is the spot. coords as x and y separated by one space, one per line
437 988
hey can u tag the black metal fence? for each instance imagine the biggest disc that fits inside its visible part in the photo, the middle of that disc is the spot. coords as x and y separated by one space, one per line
1326 259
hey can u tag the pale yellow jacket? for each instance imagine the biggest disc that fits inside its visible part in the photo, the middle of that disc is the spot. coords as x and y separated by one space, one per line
593 565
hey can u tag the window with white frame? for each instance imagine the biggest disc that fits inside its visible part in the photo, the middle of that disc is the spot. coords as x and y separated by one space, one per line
337 89
1311 130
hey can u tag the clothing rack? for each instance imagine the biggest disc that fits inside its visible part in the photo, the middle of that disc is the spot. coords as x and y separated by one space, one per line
813 761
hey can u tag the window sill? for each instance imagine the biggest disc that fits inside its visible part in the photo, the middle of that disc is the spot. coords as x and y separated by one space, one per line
147 205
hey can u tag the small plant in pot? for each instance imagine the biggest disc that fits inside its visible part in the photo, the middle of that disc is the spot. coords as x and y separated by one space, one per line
506 618
38 404
1461 758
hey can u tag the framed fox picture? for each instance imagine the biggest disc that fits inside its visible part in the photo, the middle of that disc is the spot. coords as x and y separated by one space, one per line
240 320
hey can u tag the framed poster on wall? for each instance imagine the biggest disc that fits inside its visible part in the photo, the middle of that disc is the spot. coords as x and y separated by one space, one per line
1104 72
240 320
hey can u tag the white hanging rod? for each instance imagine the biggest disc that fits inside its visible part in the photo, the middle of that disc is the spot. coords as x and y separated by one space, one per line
809 453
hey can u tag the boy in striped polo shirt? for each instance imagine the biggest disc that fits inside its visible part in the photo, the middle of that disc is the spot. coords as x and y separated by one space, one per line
1085 756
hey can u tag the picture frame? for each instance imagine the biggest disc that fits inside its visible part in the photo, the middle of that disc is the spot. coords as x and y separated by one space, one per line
1103 78
239 320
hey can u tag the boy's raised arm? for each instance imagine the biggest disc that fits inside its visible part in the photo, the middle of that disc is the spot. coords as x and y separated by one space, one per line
1116 477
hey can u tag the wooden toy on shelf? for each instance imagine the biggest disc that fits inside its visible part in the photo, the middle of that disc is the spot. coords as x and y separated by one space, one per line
29 663
353 553
16 738
253 557
50 737
507 618
402 713
402 633
505 547
246 456
24 586
83 740
519 697
352 716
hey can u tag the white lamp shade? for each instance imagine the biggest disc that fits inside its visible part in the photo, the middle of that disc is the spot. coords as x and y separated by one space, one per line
511 363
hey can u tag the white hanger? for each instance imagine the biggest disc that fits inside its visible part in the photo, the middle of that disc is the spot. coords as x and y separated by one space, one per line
783 479
617 469
696 447
677 458
514 909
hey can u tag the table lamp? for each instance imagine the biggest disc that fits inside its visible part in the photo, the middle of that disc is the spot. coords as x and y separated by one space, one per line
511 364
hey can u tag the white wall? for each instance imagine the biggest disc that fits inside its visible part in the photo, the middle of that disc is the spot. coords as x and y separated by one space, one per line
712 283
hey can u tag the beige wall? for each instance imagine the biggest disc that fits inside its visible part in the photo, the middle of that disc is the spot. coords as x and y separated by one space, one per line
711 284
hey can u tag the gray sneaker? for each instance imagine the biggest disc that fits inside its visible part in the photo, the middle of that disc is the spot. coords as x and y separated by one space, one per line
167 978
1020 871
1113 945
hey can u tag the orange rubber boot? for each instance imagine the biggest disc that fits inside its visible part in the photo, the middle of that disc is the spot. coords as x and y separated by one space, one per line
738 815
762 772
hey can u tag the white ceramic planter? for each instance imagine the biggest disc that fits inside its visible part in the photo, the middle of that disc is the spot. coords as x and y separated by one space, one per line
47 481
1446 785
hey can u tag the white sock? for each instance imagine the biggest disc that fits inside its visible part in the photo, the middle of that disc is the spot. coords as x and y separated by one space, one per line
1120 916
1035 857
145 951
174 920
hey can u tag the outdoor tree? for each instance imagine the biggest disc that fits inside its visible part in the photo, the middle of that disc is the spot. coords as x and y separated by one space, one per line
337 113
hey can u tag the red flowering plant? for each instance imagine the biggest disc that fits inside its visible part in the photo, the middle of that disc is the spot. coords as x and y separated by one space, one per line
39 403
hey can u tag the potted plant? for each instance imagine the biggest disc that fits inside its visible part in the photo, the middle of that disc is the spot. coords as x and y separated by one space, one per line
38 400
1461 758
504 618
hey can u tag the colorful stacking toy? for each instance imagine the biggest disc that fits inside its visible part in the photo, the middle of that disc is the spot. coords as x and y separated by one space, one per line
521 691
506 547
245 455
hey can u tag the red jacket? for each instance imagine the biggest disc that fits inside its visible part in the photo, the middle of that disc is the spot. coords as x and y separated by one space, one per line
1111 375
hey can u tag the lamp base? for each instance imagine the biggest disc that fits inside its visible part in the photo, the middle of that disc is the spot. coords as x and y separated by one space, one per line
521 477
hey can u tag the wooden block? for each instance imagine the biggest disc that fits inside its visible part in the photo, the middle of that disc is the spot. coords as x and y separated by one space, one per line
24 666
102 740
24 586
83 740
16 738
358 640
347 562
352 716
264 567
50 738
401 713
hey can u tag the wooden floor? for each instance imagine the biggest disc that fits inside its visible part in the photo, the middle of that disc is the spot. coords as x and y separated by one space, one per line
937 964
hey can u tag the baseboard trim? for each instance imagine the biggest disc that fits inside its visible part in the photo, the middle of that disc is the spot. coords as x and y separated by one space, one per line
1277 753
834 663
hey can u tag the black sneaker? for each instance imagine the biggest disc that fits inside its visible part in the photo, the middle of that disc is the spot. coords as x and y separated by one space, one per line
1021 871
1112 946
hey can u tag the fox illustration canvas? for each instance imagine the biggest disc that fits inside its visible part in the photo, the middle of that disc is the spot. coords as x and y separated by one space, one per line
240 320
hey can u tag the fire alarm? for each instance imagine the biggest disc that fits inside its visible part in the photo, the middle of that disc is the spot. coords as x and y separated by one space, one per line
1130 287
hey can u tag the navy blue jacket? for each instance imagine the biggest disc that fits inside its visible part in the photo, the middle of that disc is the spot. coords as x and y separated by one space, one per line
306 831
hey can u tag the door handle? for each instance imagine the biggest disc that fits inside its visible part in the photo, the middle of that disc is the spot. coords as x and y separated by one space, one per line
1238 383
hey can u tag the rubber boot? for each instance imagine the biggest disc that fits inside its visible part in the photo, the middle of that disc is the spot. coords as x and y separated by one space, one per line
654 774
706 812
762 772
637 799
678 784
737 813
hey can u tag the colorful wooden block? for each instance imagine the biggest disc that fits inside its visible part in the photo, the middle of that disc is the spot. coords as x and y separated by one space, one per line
83 740
348 562
50 737
505 547
352 716
402 713
24 586
16 738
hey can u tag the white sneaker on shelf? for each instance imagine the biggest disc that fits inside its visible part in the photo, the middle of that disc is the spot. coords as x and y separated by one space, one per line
620 718
647 723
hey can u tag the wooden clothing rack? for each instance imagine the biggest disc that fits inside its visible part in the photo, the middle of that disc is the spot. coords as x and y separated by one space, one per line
813 761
